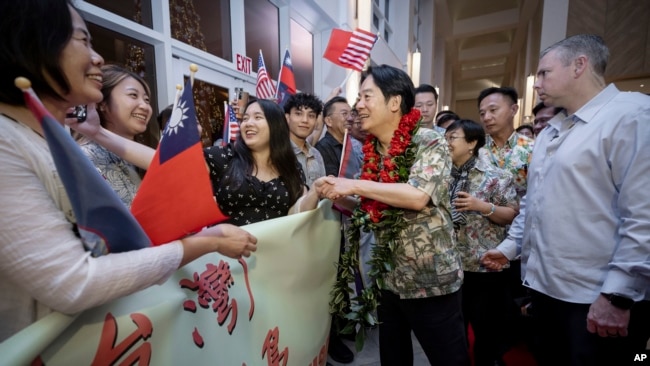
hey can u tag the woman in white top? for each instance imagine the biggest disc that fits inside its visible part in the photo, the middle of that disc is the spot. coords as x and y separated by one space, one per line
43 264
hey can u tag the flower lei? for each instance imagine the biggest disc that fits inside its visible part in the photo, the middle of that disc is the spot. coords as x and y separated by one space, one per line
386 221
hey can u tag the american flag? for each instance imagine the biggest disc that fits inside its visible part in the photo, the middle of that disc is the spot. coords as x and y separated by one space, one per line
350 49
230 125
265 88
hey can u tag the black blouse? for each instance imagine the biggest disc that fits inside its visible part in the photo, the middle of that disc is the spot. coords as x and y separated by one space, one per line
254 200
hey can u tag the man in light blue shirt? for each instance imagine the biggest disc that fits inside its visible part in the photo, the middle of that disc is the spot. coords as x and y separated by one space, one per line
584 226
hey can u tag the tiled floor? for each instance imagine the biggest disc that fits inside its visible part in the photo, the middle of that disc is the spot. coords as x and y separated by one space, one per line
369 355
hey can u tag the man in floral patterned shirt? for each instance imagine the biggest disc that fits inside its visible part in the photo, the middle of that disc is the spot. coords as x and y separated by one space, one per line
506 149
405 201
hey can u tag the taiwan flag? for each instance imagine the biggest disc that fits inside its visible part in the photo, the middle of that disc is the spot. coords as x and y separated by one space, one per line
287 81
175 198
104 223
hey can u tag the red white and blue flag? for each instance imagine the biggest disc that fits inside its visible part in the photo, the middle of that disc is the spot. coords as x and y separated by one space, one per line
175 198
264 88
350 49
105 224
286 80
230 126
349 167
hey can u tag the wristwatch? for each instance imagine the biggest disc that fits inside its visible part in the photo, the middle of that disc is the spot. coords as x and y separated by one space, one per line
620 301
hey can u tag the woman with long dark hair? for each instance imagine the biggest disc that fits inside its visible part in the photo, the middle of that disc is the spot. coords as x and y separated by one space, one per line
258 176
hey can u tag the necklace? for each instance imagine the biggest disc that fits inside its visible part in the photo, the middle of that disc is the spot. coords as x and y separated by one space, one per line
386 221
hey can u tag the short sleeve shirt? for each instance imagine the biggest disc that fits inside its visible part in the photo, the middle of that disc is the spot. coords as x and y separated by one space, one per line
479 235
513 157
427 263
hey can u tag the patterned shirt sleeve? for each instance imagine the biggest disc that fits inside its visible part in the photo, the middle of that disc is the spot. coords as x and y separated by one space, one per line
432 166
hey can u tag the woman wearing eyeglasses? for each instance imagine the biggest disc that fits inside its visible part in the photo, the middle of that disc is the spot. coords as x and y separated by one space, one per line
484 201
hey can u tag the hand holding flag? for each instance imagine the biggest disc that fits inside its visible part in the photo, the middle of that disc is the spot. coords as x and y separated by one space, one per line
104 222
175 198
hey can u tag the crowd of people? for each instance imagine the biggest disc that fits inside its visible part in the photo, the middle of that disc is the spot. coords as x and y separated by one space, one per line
458 219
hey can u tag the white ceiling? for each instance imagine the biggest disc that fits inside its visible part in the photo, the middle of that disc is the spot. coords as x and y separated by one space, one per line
484 41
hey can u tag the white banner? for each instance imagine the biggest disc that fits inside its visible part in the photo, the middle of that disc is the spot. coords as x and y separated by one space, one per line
269 309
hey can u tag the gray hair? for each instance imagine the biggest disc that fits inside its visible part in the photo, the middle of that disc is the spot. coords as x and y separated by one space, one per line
589 45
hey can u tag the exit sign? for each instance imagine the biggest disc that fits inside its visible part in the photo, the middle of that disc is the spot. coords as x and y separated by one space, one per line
244 64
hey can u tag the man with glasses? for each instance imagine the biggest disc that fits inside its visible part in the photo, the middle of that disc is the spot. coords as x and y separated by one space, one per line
336 114
542 115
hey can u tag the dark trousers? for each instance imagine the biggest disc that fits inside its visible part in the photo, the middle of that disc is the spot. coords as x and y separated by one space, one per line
564 338
488 306
437 323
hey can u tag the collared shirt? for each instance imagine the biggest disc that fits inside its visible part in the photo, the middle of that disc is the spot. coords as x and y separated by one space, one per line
513 157
427 262
311 162
330 149
587 220
479 235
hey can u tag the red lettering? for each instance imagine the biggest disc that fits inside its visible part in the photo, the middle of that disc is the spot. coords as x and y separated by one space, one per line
248 287
212 286
198 339
240 66
321 359
270 349
108 352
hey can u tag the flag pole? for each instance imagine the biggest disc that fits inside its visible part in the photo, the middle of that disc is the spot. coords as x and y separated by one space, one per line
346 79
225 137
345 142
280 73
179 87
193 70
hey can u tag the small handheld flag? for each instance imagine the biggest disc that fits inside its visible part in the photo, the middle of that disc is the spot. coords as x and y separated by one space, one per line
349 167
175 198
230 125
286 80
264 88
350 49
104 222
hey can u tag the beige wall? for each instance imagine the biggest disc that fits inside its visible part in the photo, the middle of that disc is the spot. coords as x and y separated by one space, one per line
624 26
467 109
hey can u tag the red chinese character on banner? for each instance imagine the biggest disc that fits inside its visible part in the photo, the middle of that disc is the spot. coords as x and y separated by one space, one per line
321 359
108 353
212 286
270 349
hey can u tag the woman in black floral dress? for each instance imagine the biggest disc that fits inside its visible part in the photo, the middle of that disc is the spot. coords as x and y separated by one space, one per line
258 177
